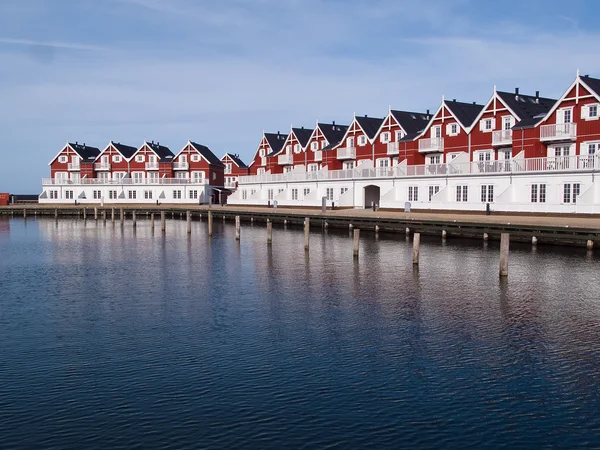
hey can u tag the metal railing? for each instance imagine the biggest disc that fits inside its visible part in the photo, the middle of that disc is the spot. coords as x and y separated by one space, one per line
286 159
152 166
74 166
558 132
502 137
346 153
102 166
431 145
178 165
121 181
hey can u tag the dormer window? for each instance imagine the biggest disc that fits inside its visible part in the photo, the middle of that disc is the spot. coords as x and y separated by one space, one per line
139 158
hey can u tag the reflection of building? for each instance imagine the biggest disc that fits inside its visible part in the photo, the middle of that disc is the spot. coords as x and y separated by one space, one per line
4 226
517 153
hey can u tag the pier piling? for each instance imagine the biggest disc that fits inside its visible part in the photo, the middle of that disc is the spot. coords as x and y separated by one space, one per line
84 213
590 244
504 248
24 213
407 231
95 213
306 233
356 242
486 237
188 218
210 223
112 215
237 228
104 216
444 235
122 216
133 218
152 220
269 232
163 221
534 241
416 247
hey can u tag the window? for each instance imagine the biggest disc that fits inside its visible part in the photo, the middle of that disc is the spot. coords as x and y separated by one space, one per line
138 177
507 122
279 191
297 148
294 194
193 194
462 193
329 193
324 144
69 195
53 194
487 124
314 146
306 191
384 162
436 132
132 195
571 192
288 149
385 137
362 140
244 194
313 167
177 194
228 167
116 158
435 159
343 190
139 158
62 159
487 193
454 129
592 149
349 165
593 111
432 191
198 176
97 195
148 195
287 169
270 194
195 157
112 195
350 142
261 152
538 193
413 193
399 135
567 115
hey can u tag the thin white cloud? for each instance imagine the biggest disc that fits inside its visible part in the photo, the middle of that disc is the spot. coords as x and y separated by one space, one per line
58 45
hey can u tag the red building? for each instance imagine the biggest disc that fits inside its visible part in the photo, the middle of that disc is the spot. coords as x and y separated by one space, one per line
270 143
73 162
151 162
234 168
113 161
291 155
198 163
356 146
324 136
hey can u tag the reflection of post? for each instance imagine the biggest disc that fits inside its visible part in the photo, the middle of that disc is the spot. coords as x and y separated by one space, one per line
416 245
356 242
163 221
269 232
56 214
24 213
122 216
504 247
133 218
152 220
210 223
188 217
237 228
112 215
306 233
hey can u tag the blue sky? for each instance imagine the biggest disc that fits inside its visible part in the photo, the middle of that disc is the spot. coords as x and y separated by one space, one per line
219 72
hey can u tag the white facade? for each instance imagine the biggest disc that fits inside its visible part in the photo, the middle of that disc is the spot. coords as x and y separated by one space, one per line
554 185
106 191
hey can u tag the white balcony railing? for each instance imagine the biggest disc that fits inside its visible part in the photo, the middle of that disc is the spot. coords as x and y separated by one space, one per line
285 159
393 148
74 166
178 165
152 166
230 184
102 166
318 155
558 132
519 165
431 145
122 181
346 153
502 137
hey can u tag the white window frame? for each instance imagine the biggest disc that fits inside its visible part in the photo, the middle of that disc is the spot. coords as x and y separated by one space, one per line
385 137
63 159
362 140
116 158
140 158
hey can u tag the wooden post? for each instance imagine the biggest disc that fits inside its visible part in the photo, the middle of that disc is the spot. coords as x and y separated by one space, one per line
416 245
356 242
112 215
104 216
133 218
269 232
122 216
84 213
486 237
237 228
95 213
504 247
407 231
188 217
444 235
163 221
534 241
376 229
590 244
210 223
152 220
350 226
306 233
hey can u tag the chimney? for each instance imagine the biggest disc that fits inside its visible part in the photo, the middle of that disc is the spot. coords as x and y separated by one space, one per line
474 103
427 112
516 93
333 123
537 96
454 100
365 116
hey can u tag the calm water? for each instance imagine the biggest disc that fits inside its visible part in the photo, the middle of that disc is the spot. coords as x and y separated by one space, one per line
115 339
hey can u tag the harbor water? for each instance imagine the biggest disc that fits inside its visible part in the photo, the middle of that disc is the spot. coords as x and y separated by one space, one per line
114 337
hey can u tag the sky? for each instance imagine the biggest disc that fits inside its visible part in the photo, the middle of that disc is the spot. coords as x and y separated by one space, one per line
219 72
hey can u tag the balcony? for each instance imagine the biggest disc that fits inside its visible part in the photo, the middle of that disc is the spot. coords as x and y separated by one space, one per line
346 153
318 155
393 148
74 166
152 166
502 137
230 185
178 165
433 145
102 166
558 132
287 159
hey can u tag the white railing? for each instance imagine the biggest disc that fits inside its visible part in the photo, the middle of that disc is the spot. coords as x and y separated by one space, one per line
564 163
152 166
286 159
121 181
558 131
393 148
102 166
318 155
74 166
502 137
346 153
230 184
431 145
178 165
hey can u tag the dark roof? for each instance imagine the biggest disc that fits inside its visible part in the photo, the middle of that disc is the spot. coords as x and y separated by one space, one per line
125 150
529 122
164 153
303 135
370 125
236 159
86 152
207 154
526 106
276 141
465 113
333 133
411 122
411 136
593 83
